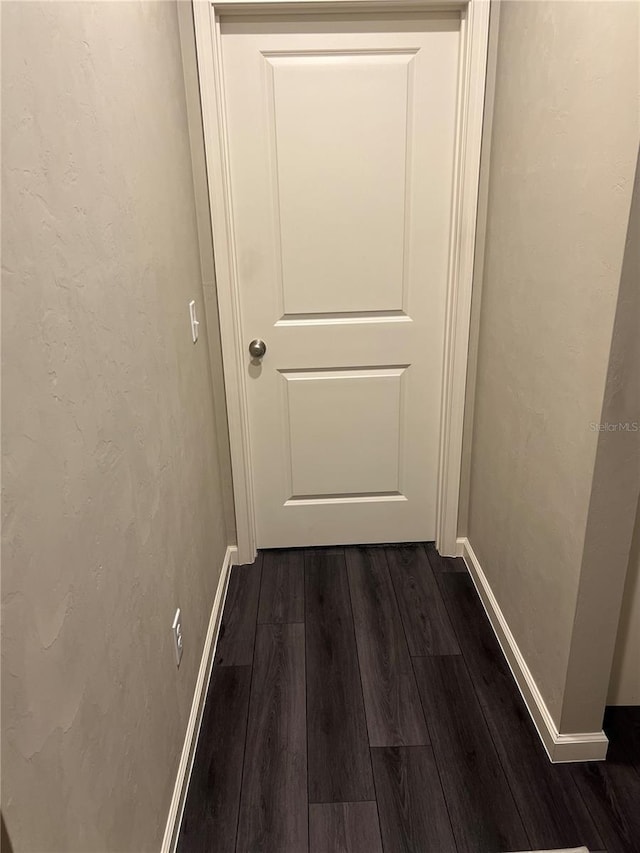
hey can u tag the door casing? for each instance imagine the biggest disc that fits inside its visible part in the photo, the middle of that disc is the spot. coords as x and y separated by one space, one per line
471 86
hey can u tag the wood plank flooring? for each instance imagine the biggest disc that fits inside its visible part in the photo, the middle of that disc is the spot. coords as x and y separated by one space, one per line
338 744
273 804
217 773
337 827
359 703
392 706
413 812
238 629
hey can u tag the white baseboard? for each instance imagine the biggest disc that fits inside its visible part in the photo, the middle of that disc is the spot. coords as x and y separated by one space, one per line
197 706
575 746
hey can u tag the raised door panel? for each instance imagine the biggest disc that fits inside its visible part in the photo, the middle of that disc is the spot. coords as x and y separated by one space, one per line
340 140
344 433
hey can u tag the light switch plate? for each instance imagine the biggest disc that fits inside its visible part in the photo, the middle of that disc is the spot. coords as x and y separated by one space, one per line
194 320
177 636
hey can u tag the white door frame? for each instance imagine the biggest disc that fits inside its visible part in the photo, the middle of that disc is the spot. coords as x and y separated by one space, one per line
471 85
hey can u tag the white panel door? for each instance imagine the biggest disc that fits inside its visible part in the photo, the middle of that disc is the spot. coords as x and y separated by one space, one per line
341 135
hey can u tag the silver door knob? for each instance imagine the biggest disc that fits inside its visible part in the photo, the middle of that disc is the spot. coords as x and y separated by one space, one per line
257 348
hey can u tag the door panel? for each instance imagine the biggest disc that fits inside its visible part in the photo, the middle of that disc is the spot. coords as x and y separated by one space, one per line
340 124
355 418
341 138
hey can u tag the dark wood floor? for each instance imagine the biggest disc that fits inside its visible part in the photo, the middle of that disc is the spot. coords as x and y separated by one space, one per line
360 702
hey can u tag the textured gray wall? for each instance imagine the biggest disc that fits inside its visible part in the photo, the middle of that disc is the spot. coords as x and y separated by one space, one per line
624 687
624 394
112 507
564 145
612 507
